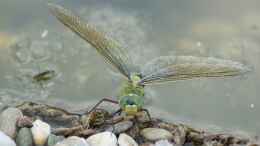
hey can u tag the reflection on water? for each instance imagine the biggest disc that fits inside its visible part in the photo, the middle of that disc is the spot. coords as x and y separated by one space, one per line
148 29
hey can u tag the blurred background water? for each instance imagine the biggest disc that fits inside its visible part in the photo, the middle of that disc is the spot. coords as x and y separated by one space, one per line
33 41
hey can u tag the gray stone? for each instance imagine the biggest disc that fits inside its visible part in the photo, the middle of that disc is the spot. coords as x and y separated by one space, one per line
73 141
53 139
24 137
155 134
8 119
122 127
6 140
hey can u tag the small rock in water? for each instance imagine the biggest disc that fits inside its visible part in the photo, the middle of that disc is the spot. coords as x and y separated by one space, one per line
8 119
73 141
163 143
24 137
103 139
6 140
122 126
40 132
53 139
155 134
126 140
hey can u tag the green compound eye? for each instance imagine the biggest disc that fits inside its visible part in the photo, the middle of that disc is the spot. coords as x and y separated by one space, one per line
130 100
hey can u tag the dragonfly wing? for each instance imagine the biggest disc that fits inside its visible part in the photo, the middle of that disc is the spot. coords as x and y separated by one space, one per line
107 47
171 68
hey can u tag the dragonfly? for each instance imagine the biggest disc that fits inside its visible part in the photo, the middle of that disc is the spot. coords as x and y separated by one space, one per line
159 70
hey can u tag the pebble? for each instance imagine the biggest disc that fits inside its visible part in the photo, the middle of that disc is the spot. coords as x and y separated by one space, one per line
103 139
73 141
40 132
163 143
155 134
122 126
6 140
53 139
8 119
179 135
24 137
147 144
24 122
126 140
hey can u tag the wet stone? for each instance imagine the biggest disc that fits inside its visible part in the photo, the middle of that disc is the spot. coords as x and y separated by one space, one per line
54 116
213 143
53 139
24 137
155 134
8 119
24 122
73 141
122 127
126 140
134 132
103 139
40 132
147 144
6 140
179 135
163 143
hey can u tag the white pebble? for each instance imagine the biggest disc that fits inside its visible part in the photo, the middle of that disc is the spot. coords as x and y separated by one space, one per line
40 132
6 140
126 140
163 143
103 139
73 141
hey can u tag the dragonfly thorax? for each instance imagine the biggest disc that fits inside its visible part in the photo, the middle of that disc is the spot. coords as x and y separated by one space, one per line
135 79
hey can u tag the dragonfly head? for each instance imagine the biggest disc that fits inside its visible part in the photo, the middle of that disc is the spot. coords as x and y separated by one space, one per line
135 79
131 104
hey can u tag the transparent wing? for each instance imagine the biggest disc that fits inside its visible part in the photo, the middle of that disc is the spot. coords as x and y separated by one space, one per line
170 68
108 48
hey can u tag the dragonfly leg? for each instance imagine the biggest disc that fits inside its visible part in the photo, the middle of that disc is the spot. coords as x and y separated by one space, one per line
101 101
148 113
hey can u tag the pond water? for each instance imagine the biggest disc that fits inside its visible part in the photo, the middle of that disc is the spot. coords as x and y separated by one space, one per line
148 29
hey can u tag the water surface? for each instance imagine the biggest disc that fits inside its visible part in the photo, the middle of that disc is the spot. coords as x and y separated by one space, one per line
148 29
